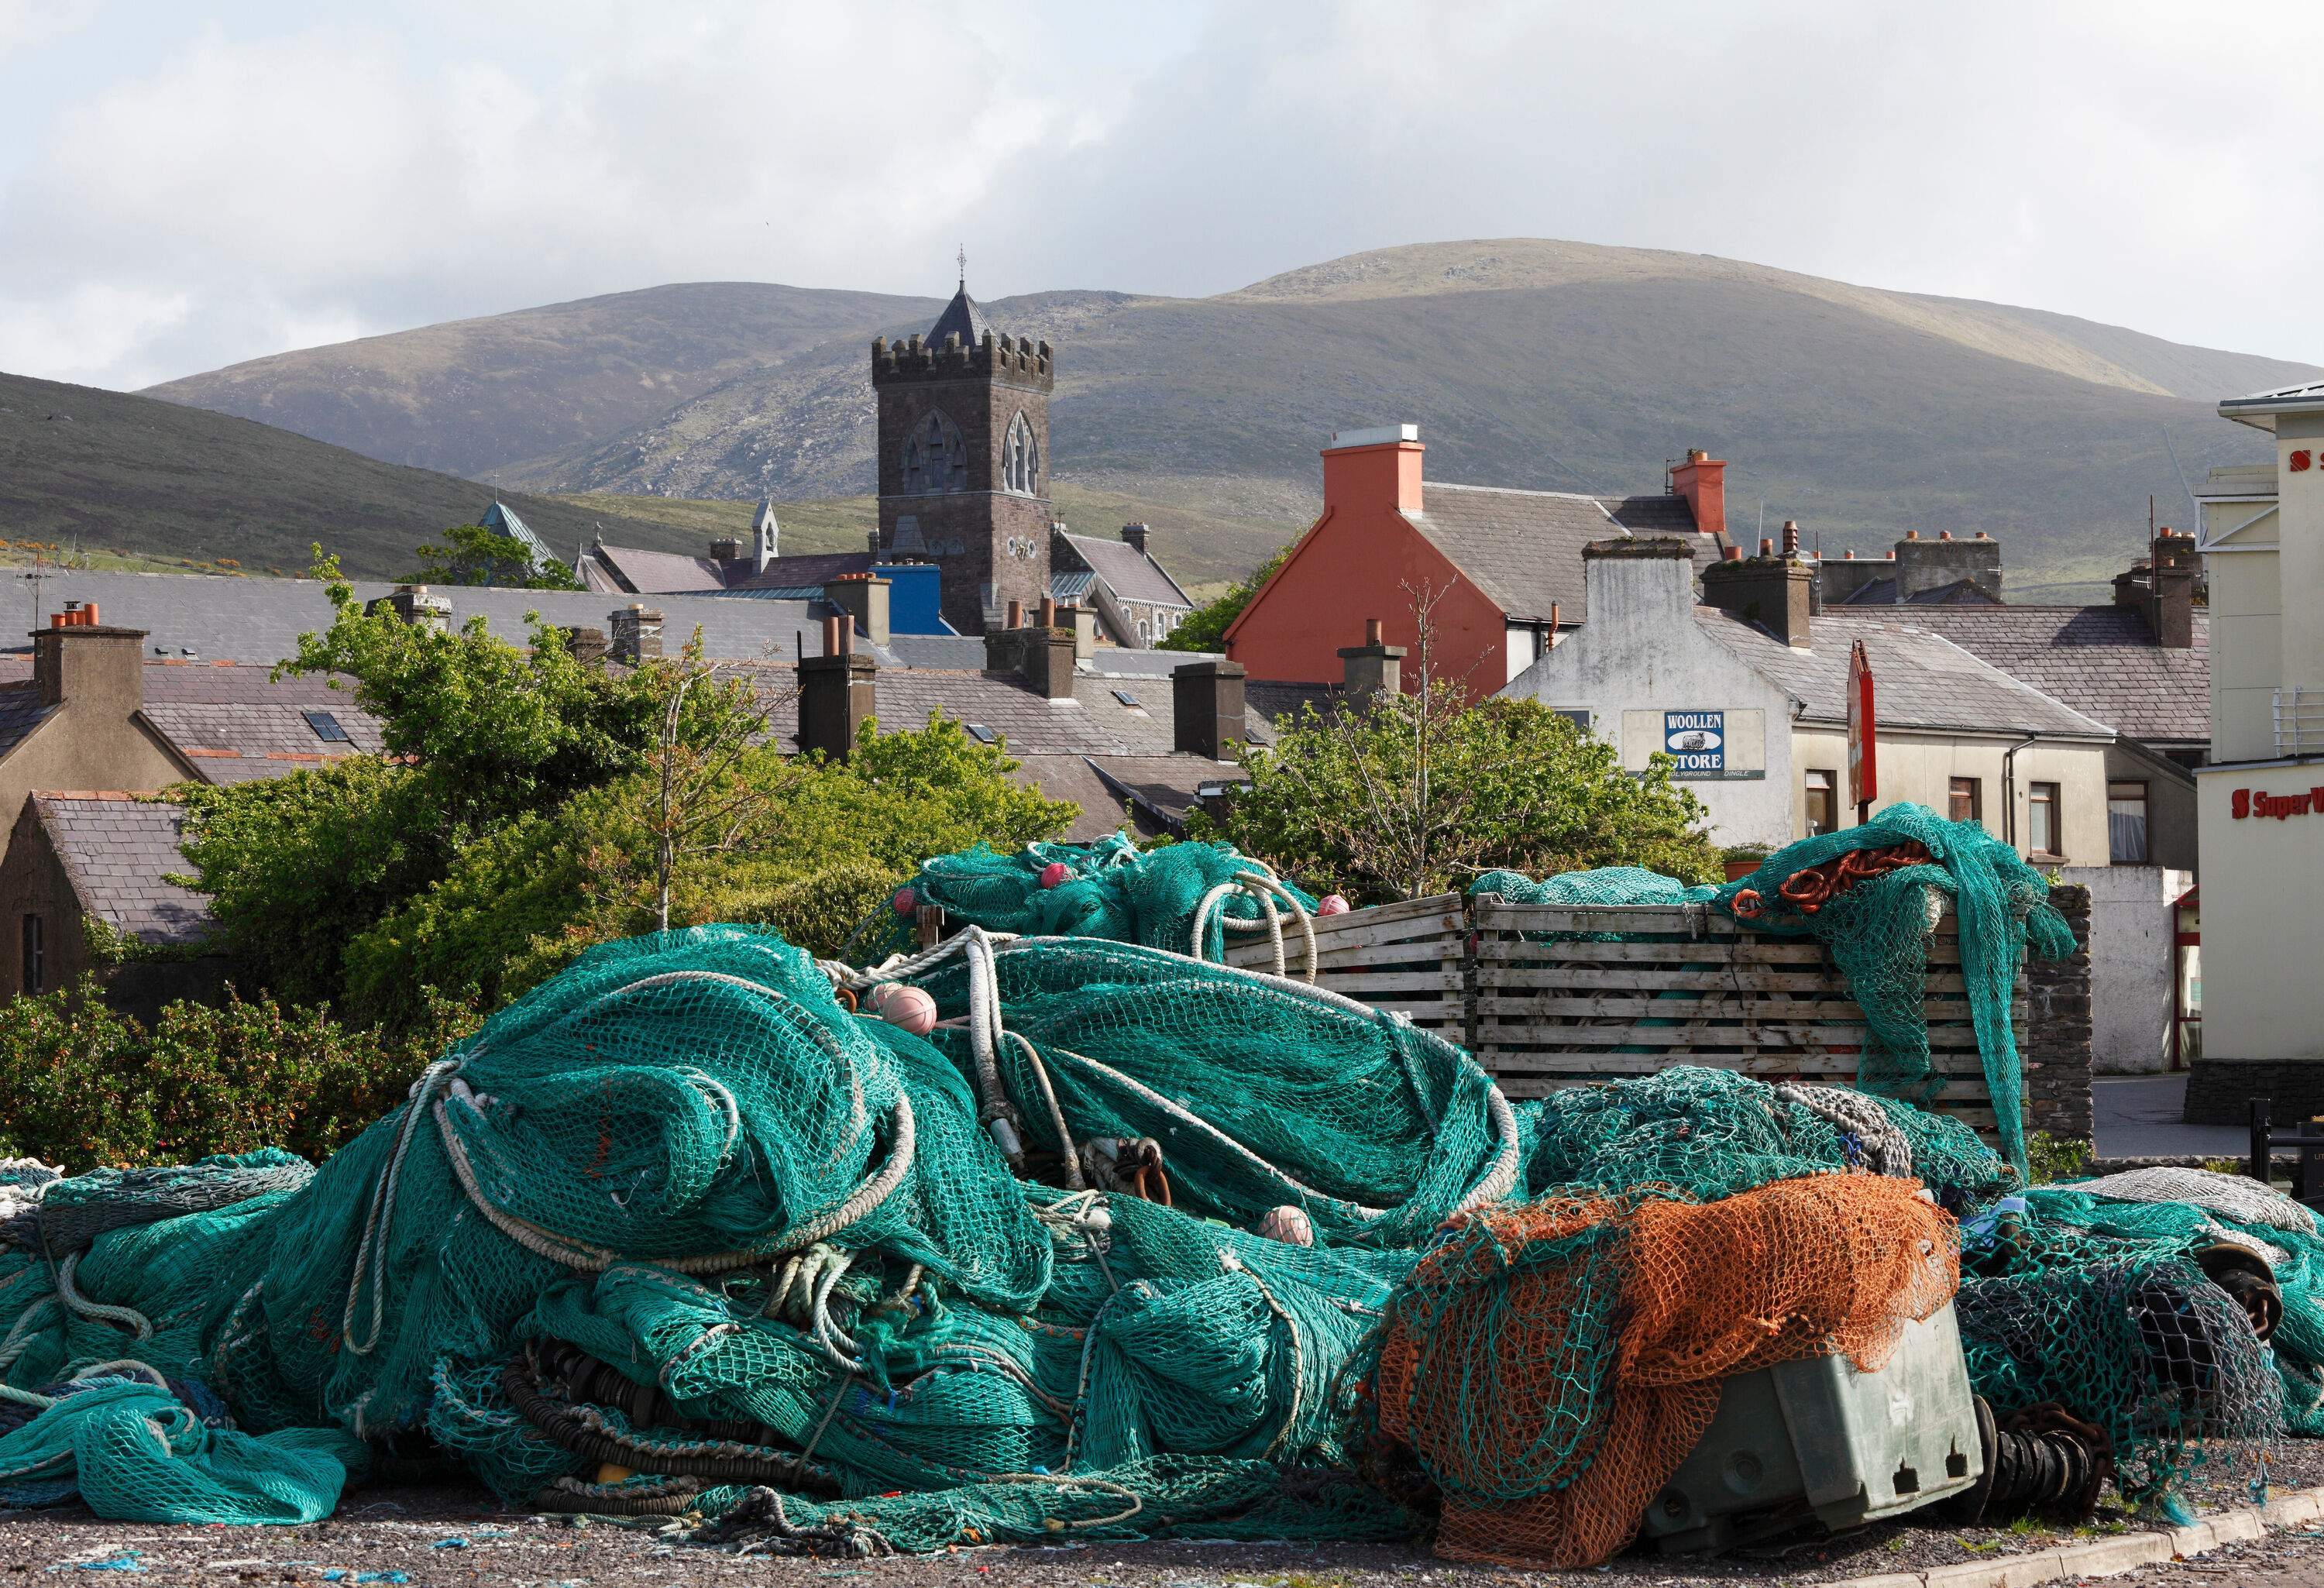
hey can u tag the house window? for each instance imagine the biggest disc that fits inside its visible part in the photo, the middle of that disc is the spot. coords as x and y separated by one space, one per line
1967 799
1824 802
36 965
1580 719
2127 823
2042 836
326 727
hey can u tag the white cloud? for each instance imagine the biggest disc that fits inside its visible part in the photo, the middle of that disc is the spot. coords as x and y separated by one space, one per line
274 179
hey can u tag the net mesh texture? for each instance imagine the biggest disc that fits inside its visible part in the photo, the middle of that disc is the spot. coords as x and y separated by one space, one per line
1129 1244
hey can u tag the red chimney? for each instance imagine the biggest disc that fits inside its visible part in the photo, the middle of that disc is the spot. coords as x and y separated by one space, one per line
1366 470
1701 479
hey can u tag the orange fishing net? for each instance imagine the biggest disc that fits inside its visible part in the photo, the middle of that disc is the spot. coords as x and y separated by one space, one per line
1553 1363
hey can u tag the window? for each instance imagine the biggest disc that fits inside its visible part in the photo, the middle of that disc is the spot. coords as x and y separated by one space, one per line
35 955
1967 799
934 457
2041 820
982 735
2127 823
1020 458
1824 802
1126 697
326 727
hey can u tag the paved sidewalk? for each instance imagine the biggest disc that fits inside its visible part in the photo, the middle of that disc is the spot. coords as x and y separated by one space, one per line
2137 1116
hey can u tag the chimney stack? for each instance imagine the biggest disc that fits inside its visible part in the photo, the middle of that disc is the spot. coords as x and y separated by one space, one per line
1373 470
838 691
725 549
865 598
78 661
1768 590
588 646
1644 586
636 634
1924 565
1372 667
1701 479
1134 536
416 603
2170 590
1043 654
1206 708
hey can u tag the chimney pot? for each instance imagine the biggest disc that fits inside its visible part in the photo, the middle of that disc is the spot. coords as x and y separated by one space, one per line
1373 632
1848 556
1048 612
1983 536
1016 615
1944 534
831 635
1911 534
1766 546
1731 554
1790 537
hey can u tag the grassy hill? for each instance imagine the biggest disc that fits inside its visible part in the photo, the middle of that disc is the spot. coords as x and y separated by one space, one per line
1527 362
134 482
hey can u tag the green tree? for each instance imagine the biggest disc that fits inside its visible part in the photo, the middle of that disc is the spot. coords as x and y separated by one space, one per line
1205 627
1417 793
806 846
470 554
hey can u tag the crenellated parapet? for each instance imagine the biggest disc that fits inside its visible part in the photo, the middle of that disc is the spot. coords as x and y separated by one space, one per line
1018 361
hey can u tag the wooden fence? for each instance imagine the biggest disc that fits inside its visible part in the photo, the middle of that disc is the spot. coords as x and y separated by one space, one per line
1410 957
1543 1001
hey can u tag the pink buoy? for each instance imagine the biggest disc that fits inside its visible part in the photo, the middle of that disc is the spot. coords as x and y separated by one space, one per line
1331 904
906 901
1289 1224
906 1008
1056 875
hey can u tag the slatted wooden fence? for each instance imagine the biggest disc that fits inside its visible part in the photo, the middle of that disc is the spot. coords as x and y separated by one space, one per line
1525 989
1687 985
1407 957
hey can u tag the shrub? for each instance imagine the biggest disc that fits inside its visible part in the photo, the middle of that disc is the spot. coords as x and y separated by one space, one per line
82 1086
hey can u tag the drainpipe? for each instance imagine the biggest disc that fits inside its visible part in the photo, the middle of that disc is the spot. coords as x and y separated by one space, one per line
2009 788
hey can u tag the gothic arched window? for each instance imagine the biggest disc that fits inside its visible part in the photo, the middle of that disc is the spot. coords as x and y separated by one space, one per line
1020 458
934 457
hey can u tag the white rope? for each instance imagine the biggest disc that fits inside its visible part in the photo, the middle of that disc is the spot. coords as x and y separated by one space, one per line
1235 1265
126 1317
576 1255
372 1249
1073 1179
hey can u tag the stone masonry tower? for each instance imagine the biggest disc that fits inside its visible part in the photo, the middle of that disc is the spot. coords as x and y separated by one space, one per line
964 461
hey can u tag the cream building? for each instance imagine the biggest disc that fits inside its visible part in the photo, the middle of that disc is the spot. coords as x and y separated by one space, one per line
2260 803
1748 692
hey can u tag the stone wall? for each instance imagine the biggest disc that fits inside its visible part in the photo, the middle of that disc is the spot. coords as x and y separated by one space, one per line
2056 1042
2219 1091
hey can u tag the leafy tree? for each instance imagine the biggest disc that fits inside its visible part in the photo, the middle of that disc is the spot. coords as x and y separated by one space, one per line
1416 794
1205 627
812 842
470 554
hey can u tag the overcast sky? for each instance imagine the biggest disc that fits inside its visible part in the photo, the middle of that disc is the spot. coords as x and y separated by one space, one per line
185 185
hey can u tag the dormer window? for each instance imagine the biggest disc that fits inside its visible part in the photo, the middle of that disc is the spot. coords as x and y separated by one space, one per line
1020 459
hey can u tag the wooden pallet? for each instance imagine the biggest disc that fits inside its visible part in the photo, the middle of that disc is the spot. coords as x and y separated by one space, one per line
1687 985
1406 957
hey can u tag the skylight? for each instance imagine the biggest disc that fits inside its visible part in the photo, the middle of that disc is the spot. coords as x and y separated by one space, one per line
326 727
982 735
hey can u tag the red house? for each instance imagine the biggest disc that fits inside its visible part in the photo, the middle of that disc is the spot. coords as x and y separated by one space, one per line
1505 565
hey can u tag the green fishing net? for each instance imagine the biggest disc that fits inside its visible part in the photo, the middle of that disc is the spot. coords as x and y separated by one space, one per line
1876 924
1188 898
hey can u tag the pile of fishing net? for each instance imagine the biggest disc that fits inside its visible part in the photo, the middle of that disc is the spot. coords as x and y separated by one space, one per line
680 1233
1871 894
1188 898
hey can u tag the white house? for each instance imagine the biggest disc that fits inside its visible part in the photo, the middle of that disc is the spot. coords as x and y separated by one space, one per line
1746 691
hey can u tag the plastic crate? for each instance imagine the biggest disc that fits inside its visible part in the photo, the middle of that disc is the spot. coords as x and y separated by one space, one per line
1815 1439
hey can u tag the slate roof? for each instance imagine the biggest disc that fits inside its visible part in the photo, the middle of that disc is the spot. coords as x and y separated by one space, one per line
1920 679
1871 593
961 317
116 851
806 570
1523 548
658 573
2259 410
1096 723
213 618
1133 574
20 710
2101 661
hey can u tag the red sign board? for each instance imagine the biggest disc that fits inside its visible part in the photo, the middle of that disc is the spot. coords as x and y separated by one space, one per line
2258 802
1863 758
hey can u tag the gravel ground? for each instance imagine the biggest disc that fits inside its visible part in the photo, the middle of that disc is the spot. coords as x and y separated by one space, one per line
440 1537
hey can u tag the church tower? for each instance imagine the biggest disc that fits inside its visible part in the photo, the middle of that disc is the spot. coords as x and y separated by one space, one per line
964 461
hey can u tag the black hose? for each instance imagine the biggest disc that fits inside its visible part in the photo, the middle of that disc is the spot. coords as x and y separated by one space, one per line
578 1429
2042 1460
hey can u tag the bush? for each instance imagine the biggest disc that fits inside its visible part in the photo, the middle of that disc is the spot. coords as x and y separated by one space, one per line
819 911
83 1086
